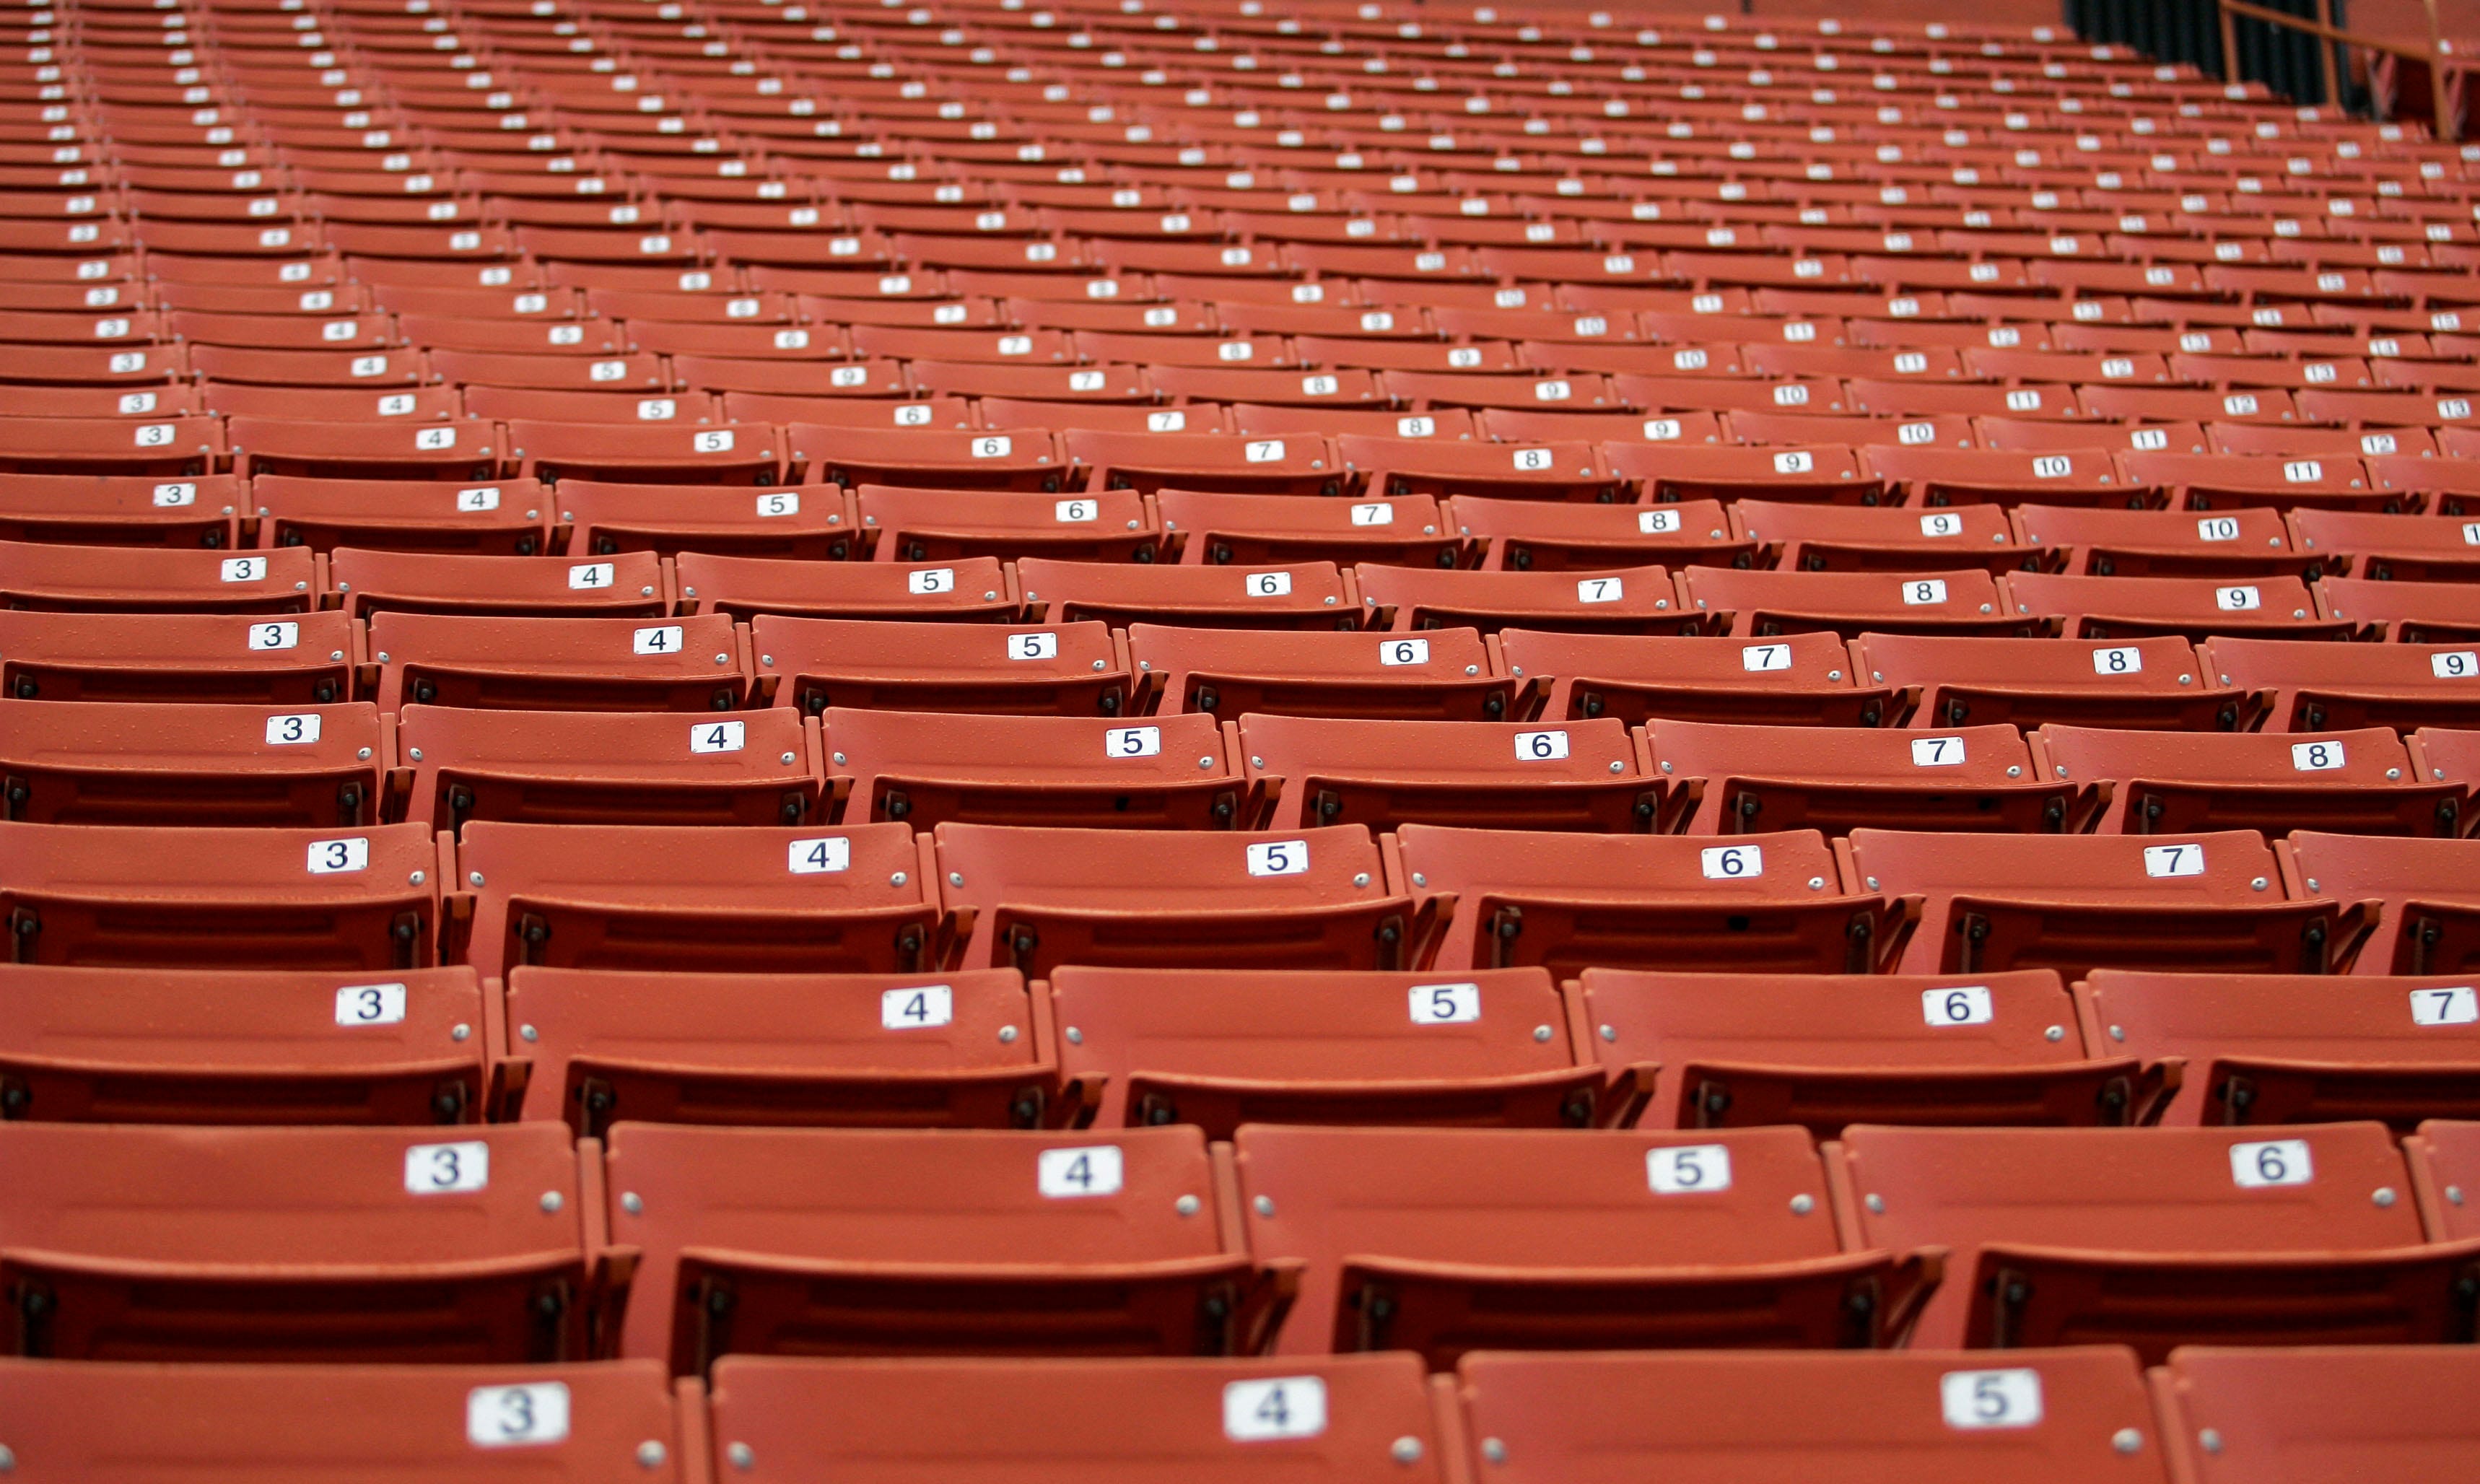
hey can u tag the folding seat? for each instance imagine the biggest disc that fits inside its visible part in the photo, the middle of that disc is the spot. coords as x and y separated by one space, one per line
453 765
1314 899
1438 1240
1169 773
1292 464
1220 529
1304 595
647 454
1732 1051
2051 435
641 373
423 1424
1963 601
1442 675
1525 536
1356 1420
2174 1237
2291 1049
1857 538
939 525
743 898
1582 775
111 895
372 582
2286 1416
365 449
1058 670
988 1262
2260 439
1766 904
1935 475
1800 679
814 381
2222 481
1823 474
2209 902
116 579
165 448
2391 548
2247 542
1403 466
2081 607
158 764
1621 600
687 664
189 1046
565 405
2045 1416
1737 779
503 518
671 519
2314 686
334 1245
2429 889
2155 783
2405 612
2443 755
1025 458
600 1046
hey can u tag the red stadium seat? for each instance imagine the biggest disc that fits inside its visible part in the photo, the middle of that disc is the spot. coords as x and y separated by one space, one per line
2282 1413
1062 670
1751 779
2165 783
2144 682
699 664
924 769
2430 890
240 765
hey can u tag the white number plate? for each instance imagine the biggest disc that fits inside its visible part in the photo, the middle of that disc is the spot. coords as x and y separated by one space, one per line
1403 651
1132 742
2273 1163
1278 1407
1688 1169
810 858
718 735
504 1416
377 1005
1540 747
662 640
918 1009
293 729
331 857
1990 1398
1033 646
447 1169
1279 858
1445 1005
2455 1006
1731 863
1937 751
1964 1004
2174 860
1067 1173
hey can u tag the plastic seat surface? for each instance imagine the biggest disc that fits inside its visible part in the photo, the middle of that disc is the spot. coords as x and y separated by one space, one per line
492 517
629 583
578 767
326 1245
1220 1049
923 768
1797 679
672 519
2292 1415
1721 1051
1622 600
1769 902
1572 775
530 663
2430 923
602 1045
2209 903
2166 1238
1745 779
927 1243
106 895
2177 782
765 897
2266 1049
1299 595
2027 1416
137 763
2154 682
101 579
1069 669
2313 687
1310 899
1448 1241
223 1424
1922 600
1349 1418
193 1046
1444 675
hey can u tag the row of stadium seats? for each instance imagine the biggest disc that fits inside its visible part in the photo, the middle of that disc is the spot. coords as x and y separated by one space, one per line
709 663
2042 1416
883 897
1217 1049
685 1244
348 765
